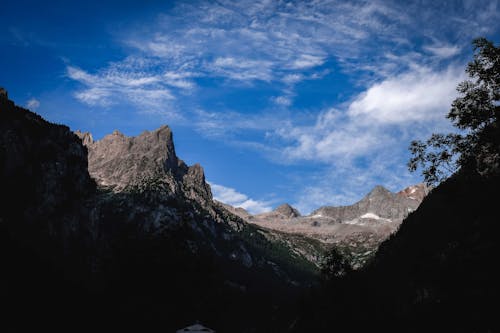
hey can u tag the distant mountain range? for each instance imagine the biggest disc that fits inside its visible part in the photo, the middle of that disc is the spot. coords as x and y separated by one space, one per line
357 229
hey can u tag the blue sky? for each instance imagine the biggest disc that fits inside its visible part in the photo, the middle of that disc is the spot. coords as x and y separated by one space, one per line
307 102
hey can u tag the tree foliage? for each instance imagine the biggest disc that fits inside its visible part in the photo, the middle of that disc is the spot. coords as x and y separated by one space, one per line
476 115
335 265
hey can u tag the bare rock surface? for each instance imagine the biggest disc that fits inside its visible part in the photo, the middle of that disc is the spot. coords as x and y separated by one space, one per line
124 163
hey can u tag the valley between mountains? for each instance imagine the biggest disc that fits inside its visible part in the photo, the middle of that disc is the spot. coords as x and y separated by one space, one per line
119 234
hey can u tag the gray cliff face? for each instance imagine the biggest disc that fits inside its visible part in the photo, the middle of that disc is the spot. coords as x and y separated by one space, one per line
124 163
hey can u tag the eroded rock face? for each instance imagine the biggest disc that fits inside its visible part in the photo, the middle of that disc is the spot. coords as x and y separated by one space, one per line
124 163
121 162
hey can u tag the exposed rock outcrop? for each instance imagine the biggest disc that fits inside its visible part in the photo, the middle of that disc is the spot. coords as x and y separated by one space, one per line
123 163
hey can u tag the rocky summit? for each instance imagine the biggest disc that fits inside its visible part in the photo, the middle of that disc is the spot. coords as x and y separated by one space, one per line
123 163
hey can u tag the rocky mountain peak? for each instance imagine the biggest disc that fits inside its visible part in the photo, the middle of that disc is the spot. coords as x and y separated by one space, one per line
145 161
120 162
287 211
379 191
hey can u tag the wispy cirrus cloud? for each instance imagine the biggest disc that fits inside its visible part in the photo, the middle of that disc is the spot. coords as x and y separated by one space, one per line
269 38
443 50
287 42
226 124
144 83
111 85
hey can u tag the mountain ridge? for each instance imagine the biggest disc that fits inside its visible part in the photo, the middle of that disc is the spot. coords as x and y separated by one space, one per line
357 229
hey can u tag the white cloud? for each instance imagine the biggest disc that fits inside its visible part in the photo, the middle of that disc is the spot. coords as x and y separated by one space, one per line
364 143
377 119
418 95
234 198
242 69
282 100
307 61
127 82
179 79
95 96
333 136
33 104
443 50
292 78
268 41
222 124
